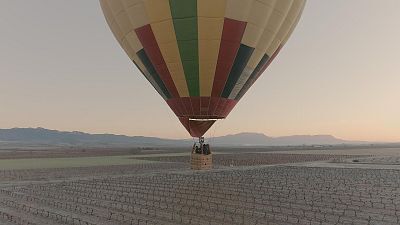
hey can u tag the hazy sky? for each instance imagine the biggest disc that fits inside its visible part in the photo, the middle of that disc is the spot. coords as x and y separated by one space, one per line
339 74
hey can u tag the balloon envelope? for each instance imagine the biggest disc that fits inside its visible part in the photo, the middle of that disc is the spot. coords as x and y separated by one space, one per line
202 56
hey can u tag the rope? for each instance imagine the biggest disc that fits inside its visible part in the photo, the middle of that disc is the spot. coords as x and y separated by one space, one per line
212 136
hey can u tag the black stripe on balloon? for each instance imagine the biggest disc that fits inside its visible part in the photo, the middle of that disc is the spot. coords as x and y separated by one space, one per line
152 71
253 77
241 60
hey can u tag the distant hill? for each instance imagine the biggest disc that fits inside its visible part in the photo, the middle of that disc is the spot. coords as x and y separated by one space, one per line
258 139
41 136
45 137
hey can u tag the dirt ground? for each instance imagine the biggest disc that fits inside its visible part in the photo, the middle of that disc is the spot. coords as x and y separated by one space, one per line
353 186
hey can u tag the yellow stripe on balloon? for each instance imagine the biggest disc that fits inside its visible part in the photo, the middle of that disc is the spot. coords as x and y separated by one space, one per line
133 17
295 17
284 26
126 20
281 9
238 9
136 13
116 7
260 33
159 14
257 21
210 25
111 21
128 39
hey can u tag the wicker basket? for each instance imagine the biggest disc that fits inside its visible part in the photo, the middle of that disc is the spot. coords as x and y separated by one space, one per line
201 162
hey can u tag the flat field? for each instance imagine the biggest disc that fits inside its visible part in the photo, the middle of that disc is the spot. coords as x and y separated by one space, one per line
47 163
345 186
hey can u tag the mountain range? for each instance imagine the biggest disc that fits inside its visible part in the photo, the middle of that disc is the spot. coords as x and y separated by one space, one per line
46 137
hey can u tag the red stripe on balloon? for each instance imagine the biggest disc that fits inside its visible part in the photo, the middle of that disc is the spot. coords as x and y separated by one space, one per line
196 106
201 107
230 42
177 107
224 109
172 104
149 42
231 103
213 105
196 128
188 105
220 108
182 108
204 105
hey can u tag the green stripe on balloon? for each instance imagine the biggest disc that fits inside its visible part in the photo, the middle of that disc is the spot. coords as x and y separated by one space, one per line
184 15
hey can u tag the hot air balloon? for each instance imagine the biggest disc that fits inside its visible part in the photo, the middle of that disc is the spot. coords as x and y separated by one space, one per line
202 56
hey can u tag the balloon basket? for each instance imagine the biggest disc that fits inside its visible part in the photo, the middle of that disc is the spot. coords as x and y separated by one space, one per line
201 156
201 162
